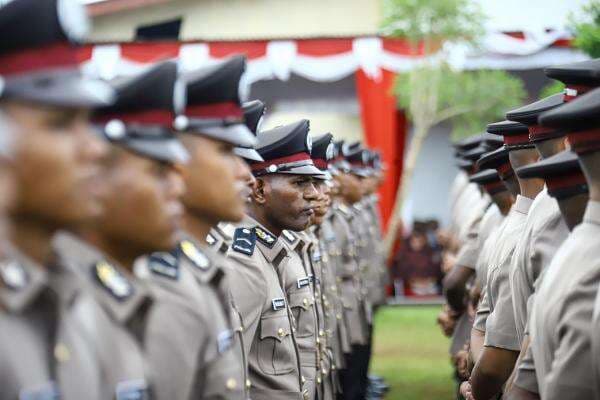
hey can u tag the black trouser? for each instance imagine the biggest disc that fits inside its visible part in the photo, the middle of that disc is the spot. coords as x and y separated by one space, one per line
354 379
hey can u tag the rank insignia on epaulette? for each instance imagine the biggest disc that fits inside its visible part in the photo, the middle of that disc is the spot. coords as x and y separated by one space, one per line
210 239
302 282
278 303
13 275
164 264
289 236
265 237
244 240
112 280
132 390
194 254
316 255
47 391
224 341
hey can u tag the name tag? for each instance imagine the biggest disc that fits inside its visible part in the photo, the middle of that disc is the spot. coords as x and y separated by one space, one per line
302 282
278 303
316 255
132 390
47 391
224 340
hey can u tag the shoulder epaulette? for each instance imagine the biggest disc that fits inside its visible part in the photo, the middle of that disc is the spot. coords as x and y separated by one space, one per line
265 237
244 241
194 254
345 211
210 239
112 280
289 236
164 264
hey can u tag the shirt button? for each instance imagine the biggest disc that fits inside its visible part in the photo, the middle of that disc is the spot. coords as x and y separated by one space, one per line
231 384
248 383
62 353
321 333
303 379
305 302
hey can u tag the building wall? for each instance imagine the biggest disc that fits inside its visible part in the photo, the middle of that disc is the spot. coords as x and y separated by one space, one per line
247 19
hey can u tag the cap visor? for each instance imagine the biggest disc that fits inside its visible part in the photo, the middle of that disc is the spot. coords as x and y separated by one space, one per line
248 154
238 134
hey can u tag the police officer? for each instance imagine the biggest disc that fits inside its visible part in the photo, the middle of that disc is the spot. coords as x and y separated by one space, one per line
45 347
283 319
139 170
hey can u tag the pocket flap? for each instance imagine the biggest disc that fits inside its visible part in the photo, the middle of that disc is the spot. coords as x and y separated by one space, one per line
277 327
302 299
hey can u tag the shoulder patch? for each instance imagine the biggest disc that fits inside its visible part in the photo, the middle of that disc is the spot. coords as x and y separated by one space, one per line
210 239
13 275
244 240
289 236
112 280
46 391
194 254
164 264
265 237
130 390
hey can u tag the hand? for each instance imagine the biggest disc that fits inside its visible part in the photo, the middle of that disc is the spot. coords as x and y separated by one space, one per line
465 391
446 322
462 364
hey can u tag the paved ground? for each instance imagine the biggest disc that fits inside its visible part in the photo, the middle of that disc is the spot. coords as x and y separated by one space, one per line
412 354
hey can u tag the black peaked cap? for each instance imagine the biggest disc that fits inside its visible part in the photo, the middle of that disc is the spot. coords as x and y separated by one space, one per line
485 177
321 145
581 113
468 143
253 112
561 163
217 83
493 159
507 128
585 73
283 141
528 115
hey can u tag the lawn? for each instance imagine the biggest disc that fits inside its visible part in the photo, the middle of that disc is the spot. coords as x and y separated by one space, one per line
412 354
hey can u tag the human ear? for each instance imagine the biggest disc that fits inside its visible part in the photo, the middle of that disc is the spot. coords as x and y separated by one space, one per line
258 192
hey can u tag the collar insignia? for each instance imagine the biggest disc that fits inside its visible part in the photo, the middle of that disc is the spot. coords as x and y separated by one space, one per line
194 254
13 275
316 255
164 264
210 239
265 237
224 341
289 236
278 303
244 240
112 280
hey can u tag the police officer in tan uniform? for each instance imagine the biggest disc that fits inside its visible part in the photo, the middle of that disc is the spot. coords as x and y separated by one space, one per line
280 327
191 280
139 169
45 349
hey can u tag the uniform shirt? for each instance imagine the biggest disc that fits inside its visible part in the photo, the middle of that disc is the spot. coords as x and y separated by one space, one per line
491 226
469 251
465 205
562 313
259 292
544 232
189 330
119 315
44 320
457 190
349 275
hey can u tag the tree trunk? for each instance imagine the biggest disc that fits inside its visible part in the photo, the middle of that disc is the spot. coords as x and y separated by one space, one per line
420 133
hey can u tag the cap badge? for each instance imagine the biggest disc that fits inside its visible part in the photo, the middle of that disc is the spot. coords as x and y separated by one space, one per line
115 129
244 240
330 152
73 19
181 123
272 168
112 280
13 275
265 237
194 254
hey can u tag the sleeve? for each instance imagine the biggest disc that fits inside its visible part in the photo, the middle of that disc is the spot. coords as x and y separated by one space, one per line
571 375
176 340
483 311
469 251
525 376
501 330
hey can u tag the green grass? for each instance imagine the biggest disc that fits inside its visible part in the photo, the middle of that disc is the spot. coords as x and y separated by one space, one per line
412 354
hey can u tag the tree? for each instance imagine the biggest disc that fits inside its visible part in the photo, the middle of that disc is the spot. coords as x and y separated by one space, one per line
587 31
432 93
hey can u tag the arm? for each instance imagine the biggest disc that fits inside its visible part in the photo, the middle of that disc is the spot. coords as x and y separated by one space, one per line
491 371
524 385
455 286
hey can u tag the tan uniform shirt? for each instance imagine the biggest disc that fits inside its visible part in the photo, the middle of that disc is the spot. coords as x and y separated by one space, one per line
119 316
189 332
44 320
562 313
544 232
364 257
349 275
259 292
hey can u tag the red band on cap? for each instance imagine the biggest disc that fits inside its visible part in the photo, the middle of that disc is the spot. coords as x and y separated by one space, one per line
146 117
505 170
217 110
585 141
516 139
279 161
320 163
39 59
573 91
537 132
576 178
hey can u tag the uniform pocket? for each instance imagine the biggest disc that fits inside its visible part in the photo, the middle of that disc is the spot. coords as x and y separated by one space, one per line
276 354
302 304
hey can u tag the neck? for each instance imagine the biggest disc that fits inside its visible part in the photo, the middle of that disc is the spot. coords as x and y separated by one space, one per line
531 187
121 251
197 226
504 201
590 164
260 216
32 237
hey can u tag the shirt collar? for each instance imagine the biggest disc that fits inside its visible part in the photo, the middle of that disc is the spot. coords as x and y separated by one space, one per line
592 212
270 253
522 204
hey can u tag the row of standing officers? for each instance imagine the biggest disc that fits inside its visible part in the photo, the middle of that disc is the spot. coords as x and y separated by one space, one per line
522 297
156 244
